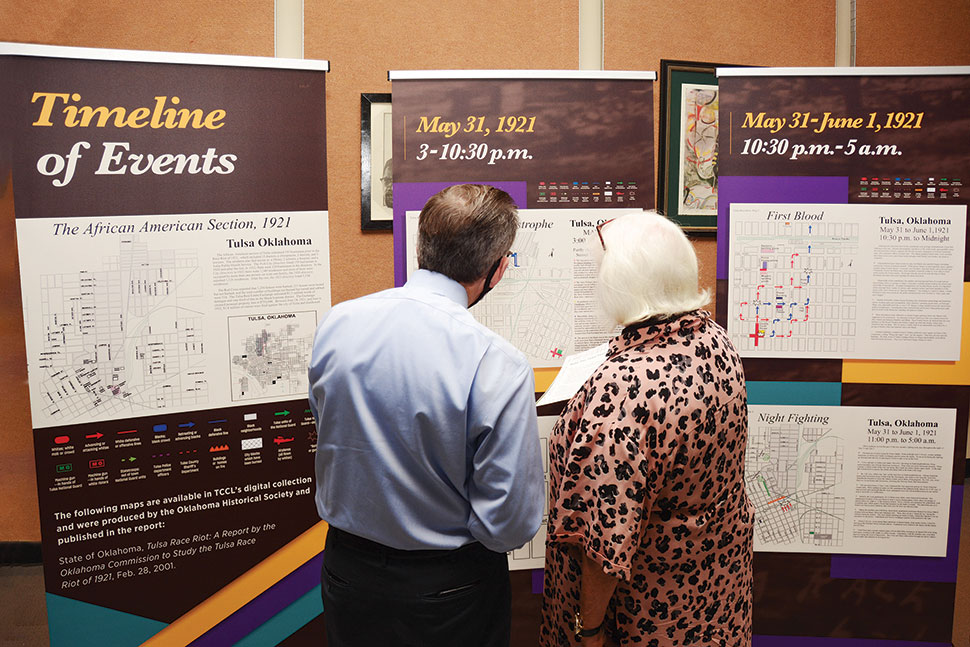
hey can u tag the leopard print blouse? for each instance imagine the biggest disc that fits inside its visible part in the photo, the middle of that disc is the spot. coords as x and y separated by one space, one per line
646 478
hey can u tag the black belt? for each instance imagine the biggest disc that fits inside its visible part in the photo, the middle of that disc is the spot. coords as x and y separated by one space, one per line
367 546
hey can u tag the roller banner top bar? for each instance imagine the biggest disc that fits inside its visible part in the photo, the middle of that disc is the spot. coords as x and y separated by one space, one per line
613 75
942 70
140 56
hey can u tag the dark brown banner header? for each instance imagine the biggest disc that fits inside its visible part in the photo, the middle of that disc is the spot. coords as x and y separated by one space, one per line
98 138
549 133
886 127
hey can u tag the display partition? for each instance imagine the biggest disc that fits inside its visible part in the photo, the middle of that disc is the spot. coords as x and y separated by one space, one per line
573 149
171 217
841 279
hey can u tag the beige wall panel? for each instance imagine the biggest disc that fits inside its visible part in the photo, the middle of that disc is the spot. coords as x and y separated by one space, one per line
706 248
743 32
18 483
242 27
912 32
364 40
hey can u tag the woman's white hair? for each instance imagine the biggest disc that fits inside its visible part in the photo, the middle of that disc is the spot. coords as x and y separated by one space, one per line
648 269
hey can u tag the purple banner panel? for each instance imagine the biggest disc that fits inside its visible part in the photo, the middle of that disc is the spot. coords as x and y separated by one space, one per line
765 189
911 569
538 580
812 641
269 603
411 196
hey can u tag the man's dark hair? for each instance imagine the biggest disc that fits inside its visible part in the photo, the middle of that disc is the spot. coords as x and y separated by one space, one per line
464 229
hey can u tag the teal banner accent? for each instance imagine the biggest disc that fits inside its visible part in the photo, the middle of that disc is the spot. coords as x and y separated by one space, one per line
80 624
802 393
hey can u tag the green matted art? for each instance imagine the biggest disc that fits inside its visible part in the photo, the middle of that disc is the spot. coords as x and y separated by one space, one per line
687 173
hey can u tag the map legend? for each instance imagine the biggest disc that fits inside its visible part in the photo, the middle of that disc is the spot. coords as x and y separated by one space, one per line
117 452
906 187
589 193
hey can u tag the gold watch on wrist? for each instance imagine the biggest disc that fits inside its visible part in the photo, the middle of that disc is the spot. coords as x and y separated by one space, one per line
582 632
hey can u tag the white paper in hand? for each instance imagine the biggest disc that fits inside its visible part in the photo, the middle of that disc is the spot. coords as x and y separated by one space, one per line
575 370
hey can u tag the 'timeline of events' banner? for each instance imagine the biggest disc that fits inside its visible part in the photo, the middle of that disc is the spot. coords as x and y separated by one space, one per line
171 217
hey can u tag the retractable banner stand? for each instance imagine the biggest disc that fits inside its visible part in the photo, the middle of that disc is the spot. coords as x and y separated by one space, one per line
841 279
171 216
573 149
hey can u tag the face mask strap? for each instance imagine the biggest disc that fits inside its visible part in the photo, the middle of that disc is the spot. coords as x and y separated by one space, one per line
488 280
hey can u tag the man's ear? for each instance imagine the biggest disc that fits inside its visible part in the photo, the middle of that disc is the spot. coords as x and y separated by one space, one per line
500 272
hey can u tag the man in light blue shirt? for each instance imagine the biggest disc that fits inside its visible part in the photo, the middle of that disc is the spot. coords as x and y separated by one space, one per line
428 467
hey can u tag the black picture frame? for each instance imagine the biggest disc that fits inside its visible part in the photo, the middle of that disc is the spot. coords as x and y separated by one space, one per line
374 214
673 76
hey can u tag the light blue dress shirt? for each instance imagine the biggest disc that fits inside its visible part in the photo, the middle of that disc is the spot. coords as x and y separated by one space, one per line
426 421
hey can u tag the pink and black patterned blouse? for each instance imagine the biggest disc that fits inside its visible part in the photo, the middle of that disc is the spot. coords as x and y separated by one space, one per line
646 477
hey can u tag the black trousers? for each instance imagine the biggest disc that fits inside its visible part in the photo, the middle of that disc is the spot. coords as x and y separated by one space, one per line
377 596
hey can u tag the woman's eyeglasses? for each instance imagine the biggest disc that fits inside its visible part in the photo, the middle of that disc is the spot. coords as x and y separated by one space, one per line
599 231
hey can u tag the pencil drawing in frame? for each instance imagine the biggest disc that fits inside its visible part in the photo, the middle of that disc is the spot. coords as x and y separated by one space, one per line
375 162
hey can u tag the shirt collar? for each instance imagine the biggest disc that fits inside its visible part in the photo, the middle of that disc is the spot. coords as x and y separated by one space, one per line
439 284
649 334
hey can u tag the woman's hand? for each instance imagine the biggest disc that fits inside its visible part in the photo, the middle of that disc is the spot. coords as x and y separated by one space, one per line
599 640
595 591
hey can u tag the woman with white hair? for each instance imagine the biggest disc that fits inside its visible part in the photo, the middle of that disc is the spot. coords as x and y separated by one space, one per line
650 527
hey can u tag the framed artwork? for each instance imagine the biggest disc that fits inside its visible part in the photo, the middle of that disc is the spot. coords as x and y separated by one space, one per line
687 174
375 162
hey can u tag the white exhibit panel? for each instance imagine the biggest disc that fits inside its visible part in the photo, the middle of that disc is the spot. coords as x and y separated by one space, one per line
533 554
136 315
852 480
846 281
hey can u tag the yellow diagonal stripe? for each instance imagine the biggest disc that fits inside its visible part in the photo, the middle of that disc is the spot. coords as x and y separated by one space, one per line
242 590
544 377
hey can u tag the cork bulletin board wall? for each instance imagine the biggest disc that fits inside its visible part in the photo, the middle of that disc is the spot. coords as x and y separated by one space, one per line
762 33
921 32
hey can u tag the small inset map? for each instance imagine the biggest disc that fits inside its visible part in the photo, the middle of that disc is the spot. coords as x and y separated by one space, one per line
794 477
270 354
